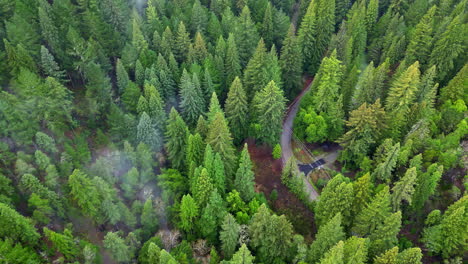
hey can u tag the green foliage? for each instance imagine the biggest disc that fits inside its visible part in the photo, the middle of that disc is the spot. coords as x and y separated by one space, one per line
269 106
277 151
16 253
237 110
63 243
17 227
229 235
176 138
336 197
328 235
117 247
244 180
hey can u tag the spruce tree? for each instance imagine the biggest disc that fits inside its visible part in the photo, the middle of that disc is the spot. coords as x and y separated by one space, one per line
50 66
244 180
365 126
456 89
176 139
147 134
246 36
148 218
383 170
448 47
269 106
401 95
181 43
254 73
212 216
336 197
130 96
373 215
325 15
242 256
335 255
237 110
328 235
404 188
213 108
232 65
426 184
192 102
384 236
420 44
122 76
219 138
188 214
195 151
362 193
308 40
202 188
229 235
267 26
291 64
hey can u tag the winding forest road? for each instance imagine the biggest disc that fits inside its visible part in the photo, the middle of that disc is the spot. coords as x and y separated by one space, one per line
286 136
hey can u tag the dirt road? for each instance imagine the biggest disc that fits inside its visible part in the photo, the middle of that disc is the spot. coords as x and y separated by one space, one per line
286 136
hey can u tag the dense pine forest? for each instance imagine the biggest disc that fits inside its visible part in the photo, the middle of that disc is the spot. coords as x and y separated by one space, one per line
234 131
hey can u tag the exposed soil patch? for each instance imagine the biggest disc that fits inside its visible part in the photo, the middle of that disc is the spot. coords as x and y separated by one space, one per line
268 178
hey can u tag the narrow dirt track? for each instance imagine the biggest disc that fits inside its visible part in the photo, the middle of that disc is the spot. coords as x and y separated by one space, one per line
286 137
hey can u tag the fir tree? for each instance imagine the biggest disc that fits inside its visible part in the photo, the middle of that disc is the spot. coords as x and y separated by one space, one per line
122 76
242 256
244 180
246 36
456 89
229 235
147 134
50 67
181 43
195 151
269 106
355 250
400 97
307 38
188 214
148 219
365 125
212 216
267 26
448 47
192 103
117 247
373 215
362 193
383 170
130 96
334 255
219 138
232 61
426 184
291 64
176 139
254 73
336 197
419 47
404 189
328 235
237 110
202 188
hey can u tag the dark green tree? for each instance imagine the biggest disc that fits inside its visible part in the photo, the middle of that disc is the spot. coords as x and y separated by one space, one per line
237 110
244 180
176 139
269 106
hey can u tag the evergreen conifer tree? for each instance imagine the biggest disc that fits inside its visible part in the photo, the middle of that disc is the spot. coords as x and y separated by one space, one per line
237 110
176 139
269 106
244 180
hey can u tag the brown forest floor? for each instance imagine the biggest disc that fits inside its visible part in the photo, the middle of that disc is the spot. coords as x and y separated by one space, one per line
268 178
